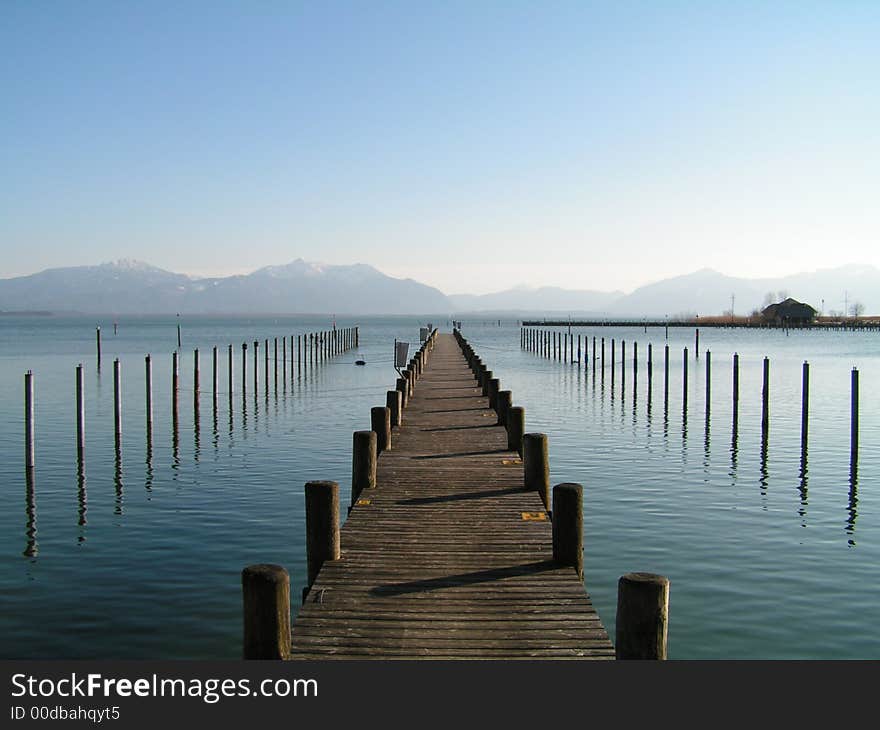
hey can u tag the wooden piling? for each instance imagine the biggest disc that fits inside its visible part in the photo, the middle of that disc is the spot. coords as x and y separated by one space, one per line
363 463
322 525
805 404
516 426
854 417
503 403
230 371
266 608
117 403
214 374
708 380
568 526
256 368
642 616
394 405
266 367
148 387
735 390
536 465
243 369
80 413
666 377
196 387
98 344
494 387
697 344
765 399
684 381
29 420
175 387
403 388
380 422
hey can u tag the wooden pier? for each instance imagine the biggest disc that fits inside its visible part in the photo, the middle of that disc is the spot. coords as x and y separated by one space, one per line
448 557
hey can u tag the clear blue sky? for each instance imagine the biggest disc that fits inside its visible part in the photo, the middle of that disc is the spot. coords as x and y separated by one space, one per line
471 145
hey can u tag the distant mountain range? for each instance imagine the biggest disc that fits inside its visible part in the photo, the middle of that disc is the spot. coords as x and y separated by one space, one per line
301 287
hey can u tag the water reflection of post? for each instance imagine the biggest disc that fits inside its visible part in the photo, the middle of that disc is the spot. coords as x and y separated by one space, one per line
764 471
148 480
82 499
117 480
852 505
30 510
802 483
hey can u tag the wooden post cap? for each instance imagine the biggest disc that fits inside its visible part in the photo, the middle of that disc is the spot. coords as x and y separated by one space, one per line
642 616
266 598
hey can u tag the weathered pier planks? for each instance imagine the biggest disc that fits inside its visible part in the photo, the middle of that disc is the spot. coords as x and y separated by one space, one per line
449 555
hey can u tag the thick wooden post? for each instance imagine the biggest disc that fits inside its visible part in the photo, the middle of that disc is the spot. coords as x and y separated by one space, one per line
394 405
516 426
642 616
503 403
568 526
494 386
536 465
29 420
322 525
380 422
484 383
266 597
708 379
363 463
98 344
256 368
403 389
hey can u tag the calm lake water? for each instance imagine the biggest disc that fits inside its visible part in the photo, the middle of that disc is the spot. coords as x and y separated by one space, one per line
769 555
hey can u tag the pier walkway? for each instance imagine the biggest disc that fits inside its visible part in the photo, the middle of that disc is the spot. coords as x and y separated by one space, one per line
448 557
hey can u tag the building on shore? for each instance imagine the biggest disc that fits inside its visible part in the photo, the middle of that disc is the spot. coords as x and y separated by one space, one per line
788 312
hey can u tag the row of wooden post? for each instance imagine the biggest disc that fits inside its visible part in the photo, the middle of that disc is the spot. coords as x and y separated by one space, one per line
311 350
266 587
556 347
642 598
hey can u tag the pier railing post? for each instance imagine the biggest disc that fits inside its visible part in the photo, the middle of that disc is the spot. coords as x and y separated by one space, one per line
516 425
266 596
494 385
642 616
568 526
536 466
322 525
394 405
363 463
380 422
484 383
503 403
403 389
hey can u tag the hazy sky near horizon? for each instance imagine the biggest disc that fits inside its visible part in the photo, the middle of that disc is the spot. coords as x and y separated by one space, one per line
471 145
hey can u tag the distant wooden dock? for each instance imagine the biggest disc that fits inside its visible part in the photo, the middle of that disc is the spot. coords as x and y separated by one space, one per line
448 557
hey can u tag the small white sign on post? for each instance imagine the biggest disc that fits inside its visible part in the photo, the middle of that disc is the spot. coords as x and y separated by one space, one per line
401 351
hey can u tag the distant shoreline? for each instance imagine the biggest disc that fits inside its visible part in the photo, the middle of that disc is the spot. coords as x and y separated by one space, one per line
26 313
